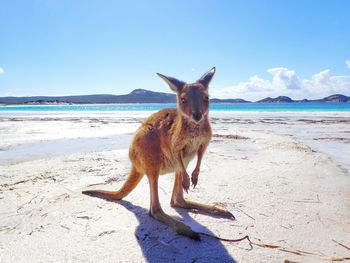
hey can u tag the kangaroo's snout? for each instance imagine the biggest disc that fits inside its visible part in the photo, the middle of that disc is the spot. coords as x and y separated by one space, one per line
197 116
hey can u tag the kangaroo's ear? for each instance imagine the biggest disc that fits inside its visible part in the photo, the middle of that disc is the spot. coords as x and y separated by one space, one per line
206 78
175 84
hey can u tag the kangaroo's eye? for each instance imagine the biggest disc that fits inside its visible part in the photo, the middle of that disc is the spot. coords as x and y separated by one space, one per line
183 101
206 98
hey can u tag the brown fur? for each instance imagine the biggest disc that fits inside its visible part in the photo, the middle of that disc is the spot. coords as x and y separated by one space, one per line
166 142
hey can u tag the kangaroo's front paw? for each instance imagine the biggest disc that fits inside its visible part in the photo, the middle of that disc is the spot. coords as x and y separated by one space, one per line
186 182
194 177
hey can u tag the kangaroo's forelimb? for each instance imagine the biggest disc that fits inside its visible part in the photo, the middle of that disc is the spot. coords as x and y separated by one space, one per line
185 176
195 173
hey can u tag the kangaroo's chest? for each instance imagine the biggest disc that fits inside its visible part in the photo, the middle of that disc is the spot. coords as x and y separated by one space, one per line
192 145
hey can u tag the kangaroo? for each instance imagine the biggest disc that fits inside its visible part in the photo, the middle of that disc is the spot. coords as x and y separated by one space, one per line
166 142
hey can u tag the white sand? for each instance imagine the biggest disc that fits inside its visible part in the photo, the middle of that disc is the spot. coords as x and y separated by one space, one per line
281 191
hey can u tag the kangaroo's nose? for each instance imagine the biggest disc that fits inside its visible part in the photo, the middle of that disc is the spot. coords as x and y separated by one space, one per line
197 116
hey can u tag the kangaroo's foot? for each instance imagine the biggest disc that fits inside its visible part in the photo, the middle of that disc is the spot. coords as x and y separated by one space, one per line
207 209
107 195
176 225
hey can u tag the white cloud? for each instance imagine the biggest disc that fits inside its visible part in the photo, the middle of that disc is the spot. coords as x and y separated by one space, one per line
284 78
2 71
286 82
348 63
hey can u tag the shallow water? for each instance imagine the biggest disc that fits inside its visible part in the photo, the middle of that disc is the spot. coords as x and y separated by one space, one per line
300 106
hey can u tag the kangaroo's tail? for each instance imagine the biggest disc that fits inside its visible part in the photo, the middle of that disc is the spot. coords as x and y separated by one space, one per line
129 185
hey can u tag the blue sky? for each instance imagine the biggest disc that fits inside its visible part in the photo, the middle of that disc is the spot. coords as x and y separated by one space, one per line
298 48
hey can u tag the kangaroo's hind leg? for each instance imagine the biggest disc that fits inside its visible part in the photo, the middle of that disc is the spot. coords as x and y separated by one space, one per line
178 200
157 212
133 179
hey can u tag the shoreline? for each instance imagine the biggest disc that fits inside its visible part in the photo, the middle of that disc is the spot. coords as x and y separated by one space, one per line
146 113
328 141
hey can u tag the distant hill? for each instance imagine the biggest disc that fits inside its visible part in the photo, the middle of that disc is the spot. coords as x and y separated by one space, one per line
335 98
136 96
228 101
332 98
145 96
278 99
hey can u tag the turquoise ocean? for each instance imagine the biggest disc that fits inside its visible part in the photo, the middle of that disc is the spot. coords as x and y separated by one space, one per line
300 106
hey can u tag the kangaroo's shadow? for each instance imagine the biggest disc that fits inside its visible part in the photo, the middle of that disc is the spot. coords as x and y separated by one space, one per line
159 243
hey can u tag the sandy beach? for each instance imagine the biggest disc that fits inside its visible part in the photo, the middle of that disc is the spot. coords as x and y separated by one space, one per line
284 175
